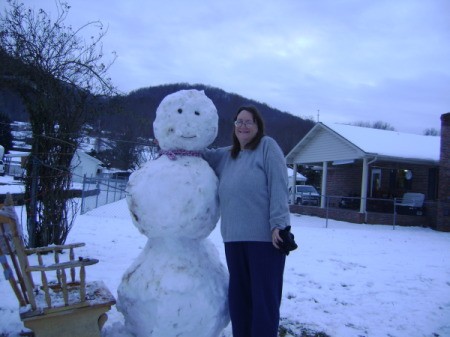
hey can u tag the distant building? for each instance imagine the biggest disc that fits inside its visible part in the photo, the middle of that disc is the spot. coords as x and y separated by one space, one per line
84 165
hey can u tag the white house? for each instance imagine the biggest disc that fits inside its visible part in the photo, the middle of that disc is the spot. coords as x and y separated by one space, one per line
375 151
300 178
376 167
84 165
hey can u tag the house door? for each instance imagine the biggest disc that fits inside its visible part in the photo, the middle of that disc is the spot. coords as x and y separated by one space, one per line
375 183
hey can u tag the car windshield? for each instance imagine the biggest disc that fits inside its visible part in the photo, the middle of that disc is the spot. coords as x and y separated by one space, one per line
307 189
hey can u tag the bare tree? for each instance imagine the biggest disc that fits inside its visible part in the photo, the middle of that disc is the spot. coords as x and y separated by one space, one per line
375 125
60 77
431 132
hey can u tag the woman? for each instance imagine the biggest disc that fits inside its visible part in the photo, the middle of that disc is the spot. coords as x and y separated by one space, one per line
253 194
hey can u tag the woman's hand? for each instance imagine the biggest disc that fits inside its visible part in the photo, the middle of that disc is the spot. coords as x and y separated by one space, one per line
276 238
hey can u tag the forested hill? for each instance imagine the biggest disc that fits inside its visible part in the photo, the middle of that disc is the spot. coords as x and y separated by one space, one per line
130 117
138 113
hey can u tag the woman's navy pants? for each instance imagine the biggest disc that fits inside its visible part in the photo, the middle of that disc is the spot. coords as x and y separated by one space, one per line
255 288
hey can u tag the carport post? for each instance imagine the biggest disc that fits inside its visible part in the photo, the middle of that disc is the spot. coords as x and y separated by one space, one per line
323 190
294 183
362 208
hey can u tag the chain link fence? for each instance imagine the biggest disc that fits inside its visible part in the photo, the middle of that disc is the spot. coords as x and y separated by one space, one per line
100 191
388 211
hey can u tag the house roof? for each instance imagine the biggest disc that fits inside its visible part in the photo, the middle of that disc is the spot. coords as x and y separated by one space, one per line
81 153
340 142
299 176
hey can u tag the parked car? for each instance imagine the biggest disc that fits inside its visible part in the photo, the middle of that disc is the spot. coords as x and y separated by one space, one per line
19 173
306 195
121 175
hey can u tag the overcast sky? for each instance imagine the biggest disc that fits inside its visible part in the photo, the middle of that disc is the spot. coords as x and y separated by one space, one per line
346 60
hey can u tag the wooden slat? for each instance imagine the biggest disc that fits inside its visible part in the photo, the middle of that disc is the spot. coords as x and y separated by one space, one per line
14 259
58 272
64 287
82 284
53 248
48 298
72 270
23 260
64 265
9 275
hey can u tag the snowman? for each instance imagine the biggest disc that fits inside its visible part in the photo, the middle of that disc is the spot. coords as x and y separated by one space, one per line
177 286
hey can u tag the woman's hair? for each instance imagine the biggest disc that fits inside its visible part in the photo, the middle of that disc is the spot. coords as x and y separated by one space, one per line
260 133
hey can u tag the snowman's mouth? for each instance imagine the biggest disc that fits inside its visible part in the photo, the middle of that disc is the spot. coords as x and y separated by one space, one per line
188 137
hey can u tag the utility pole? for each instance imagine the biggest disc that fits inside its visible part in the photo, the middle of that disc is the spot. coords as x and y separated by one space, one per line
318 115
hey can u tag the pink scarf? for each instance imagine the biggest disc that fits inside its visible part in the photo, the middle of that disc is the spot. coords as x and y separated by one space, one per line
172 154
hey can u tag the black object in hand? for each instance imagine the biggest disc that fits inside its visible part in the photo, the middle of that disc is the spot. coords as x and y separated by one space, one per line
288 243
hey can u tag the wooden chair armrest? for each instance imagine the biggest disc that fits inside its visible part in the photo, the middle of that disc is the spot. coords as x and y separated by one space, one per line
30 251
64 265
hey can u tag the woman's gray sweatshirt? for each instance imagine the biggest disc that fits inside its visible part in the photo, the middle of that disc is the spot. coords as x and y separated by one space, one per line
253 191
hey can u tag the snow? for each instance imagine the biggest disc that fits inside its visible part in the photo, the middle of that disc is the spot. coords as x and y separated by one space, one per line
299 176
390 143
344 280
8 184
186 119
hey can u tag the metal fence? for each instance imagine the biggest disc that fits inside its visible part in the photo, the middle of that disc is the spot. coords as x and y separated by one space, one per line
100 191
378 210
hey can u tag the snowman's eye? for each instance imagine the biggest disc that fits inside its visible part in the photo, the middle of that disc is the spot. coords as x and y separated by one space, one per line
171 130
197 113
180 110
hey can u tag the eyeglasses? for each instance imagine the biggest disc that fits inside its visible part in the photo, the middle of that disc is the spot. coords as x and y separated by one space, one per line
244 123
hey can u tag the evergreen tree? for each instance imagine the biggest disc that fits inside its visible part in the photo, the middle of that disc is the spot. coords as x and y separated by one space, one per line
6 138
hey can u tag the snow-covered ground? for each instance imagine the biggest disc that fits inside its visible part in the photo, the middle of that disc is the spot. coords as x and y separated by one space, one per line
344 280
8 184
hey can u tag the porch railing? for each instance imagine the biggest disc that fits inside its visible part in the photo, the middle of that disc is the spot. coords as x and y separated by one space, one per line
388 211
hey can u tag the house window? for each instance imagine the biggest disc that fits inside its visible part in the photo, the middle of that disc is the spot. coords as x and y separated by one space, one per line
375 182
407 177
400 180
433 181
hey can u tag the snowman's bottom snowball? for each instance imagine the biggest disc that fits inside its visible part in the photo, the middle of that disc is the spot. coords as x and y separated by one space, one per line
175 288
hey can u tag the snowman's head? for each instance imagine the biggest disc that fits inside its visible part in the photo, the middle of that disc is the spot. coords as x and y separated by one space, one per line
186 120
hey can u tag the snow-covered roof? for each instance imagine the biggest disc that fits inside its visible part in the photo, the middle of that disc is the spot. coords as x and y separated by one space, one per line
299 177
339 142
390 143
81 153
17 154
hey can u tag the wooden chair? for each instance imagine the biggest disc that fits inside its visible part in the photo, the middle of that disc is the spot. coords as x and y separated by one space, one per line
64 304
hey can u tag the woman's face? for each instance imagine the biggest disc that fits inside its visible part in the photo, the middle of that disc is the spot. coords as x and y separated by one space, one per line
246 129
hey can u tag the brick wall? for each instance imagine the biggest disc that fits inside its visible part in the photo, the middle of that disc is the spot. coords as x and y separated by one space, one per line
369 218
345 180
443 209
419 181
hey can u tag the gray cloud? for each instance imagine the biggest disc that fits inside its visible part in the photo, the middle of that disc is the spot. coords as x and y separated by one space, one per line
351 59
